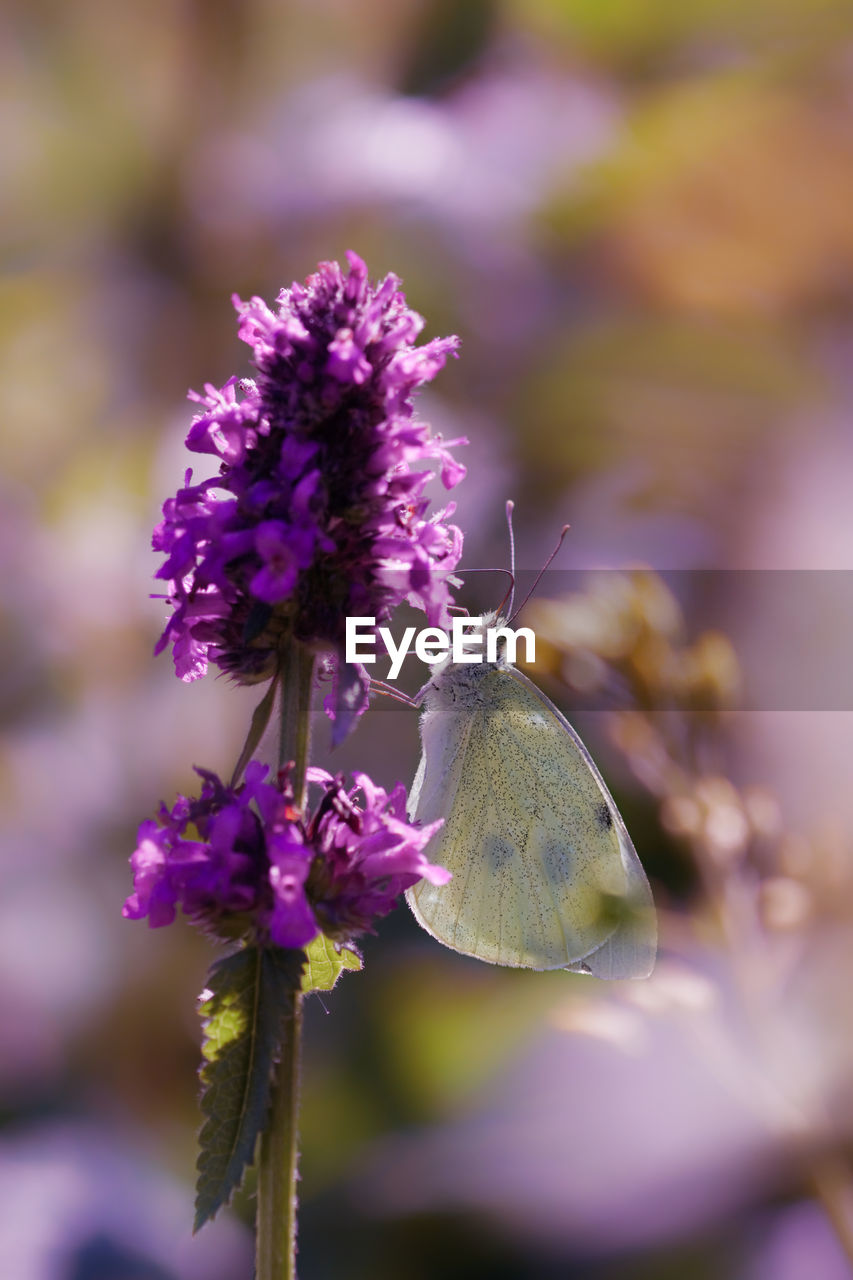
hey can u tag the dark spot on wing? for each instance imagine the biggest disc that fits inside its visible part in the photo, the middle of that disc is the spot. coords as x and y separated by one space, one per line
604 816
497 852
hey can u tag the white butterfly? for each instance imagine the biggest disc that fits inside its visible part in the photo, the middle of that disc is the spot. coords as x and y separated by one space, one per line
544 872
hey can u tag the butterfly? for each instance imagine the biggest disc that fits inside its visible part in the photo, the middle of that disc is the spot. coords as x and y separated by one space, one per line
545 875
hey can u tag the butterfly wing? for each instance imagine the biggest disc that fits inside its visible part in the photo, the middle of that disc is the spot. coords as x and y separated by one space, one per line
544 872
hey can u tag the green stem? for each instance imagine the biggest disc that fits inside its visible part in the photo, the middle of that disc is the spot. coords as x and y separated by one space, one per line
278 1157
278 1160
297 672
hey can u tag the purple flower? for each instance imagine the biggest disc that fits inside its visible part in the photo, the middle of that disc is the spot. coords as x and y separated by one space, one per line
366 856
245 862
317 512
212 873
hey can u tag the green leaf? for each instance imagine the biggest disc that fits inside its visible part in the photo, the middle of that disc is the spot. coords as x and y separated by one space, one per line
260 720
326 964
243 1035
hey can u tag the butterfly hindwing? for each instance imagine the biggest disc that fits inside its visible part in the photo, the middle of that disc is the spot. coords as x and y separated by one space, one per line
544 873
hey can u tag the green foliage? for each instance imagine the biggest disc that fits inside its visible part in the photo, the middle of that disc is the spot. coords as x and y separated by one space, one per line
442 1053
633 35
692 395
325 964
243 1035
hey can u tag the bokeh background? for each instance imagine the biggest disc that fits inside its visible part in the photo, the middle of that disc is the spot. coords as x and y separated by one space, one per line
636 215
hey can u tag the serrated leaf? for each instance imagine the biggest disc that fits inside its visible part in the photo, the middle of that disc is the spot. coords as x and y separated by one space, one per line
244 1029
326 964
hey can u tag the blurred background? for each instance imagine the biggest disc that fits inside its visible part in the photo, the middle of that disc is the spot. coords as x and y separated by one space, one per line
636 215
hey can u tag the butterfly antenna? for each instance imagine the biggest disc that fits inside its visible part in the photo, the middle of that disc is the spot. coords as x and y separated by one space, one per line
541 574
467 571
381 687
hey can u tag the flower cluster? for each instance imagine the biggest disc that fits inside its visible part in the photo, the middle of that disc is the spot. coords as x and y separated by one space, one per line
316 513
245 862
